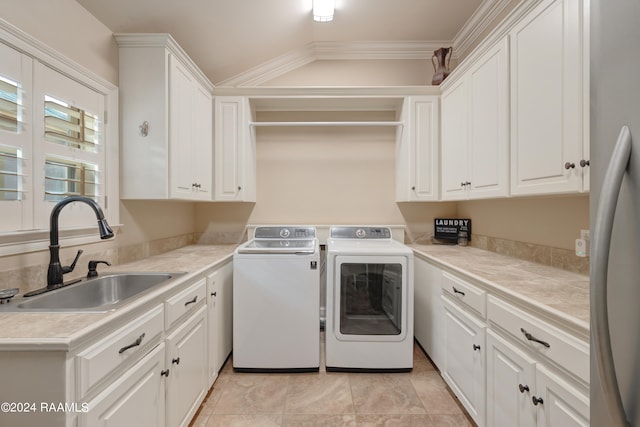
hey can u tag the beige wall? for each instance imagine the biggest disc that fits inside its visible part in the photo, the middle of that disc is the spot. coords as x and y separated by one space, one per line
324 175
358 73
551 221
68 28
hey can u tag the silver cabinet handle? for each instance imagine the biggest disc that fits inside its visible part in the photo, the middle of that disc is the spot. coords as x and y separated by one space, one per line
601 238
569 165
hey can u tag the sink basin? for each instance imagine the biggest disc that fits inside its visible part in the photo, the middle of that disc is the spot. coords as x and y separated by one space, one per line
101 293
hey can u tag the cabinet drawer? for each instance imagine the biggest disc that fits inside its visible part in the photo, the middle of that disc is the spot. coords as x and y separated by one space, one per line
569 352
128 343
185 301
465 293
134 398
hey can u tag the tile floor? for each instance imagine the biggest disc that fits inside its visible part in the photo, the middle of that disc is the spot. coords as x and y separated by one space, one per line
417 398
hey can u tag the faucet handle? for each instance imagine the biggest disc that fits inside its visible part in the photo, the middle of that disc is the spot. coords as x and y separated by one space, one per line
93 264
70 268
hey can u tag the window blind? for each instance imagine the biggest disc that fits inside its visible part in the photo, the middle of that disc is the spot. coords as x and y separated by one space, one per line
11 168
8 105
70 178
70 126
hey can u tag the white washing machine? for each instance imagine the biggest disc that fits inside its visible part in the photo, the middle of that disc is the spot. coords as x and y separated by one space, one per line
369 324
276 299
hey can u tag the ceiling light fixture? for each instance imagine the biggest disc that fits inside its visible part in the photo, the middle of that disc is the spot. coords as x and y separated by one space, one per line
323 10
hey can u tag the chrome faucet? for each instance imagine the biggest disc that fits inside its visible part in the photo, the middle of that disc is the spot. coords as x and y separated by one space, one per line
56 271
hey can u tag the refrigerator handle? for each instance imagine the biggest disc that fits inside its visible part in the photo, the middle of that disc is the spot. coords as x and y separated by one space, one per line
601 243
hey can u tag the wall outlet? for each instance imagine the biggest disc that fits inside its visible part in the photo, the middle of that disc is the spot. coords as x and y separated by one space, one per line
582 247
584 234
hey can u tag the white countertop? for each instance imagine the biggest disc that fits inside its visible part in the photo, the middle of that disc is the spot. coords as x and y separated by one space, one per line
558 295
65 331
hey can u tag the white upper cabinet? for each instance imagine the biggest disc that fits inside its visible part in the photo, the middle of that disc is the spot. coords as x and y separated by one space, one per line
417 151
235 153
549 102
475 129
455 140
166 121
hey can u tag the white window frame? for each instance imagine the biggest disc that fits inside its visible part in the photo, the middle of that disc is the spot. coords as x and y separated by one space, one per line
19 68
36 237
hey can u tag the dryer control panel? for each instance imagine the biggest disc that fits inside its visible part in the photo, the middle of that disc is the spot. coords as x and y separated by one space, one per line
361 232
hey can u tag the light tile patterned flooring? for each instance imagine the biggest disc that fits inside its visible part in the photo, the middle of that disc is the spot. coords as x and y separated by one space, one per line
417 398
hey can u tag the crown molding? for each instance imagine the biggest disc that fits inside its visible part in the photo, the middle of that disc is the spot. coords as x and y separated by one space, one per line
315 51
166 41
273 68
478 24
324 51
377 50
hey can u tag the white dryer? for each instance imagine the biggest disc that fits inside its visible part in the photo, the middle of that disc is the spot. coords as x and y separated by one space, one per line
369 325
276 299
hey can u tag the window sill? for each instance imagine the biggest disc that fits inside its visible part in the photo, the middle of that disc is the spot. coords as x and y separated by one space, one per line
38 240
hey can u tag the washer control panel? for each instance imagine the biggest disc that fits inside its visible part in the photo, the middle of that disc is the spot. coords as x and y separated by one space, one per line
361 232
285 232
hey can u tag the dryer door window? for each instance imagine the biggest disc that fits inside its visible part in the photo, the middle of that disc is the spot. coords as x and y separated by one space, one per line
371 297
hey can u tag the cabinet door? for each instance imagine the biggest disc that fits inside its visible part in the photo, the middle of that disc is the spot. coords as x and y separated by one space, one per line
224 314
428 309
202 152
464 369
455 138
510 385
561 404
489 124
547 99
181 95
187 383
230 133
213 293
417 154
133 399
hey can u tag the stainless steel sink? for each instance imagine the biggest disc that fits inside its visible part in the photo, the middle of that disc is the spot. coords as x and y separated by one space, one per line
103 293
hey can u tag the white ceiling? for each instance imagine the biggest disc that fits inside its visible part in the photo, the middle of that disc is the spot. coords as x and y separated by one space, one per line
228 37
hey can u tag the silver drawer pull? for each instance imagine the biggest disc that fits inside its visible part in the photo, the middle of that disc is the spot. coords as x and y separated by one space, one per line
530 337
456 291
193 301
134 344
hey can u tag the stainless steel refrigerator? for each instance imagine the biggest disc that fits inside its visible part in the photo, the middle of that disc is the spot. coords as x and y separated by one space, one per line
615 207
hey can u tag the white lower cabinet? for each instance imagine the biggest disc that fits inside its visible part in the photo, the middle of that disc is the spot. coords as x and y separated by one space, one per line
186 362
427 324
220 318
510 384
463 370
537 374
524 393
508 366
136 398
148 368
561 405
